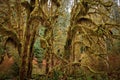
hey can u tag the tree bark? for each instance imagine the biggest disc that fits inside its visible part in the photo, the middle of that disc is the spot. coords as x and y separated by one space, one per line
29 39
27 56
26 51
68 45
49 38
30 58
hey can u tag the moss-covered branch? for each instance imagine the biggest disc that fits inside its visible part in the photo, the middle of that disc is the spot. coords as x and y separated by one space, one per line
12 35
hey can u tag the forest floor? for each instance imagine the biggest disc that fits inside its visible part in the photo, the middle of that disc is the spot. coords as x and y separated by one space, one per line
114 62
38 68
5 66
8 62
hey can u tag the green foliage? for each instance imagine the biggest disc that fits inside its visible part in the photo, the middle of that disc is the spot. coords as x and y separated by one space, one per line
41 31
116 47
11 73
1 49
38 52
4 76
1 38
15 69
38 77
57 75
78 74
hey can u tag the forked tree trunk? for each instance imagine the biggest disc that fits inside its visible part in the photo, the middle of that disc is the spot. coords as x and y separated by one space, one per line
27 55
26 51
29 39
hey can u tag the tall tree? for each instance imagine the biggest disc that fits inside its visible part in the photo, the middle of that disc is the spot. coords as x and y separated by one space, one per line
89 32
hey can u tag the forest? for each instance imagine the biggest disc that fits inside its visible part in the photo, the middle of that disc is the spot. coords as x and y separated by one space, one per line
59 39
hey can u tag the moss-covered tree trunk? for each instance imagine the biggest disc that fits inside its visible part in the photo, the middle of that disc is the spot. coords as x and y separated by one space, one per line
30 57
49 50
26 52
68 45
51 9
27 55
29 39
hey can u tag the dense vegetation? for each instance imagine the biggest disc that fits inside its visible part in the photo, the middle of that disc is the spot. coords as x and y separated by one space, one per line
59 40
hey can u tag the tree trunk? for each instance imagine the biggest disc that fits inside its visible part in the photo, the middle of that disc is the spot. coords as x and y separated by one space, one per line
29 39
68 45
30 58
27 55
26 52
49 55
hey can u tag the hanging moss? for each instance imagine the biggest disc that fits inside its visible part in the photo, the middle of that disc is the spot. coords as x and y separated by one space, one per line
11 34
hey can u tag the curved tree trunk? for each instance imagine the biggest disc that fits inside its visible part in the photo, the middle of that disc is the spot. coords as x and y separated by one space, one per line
11 34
